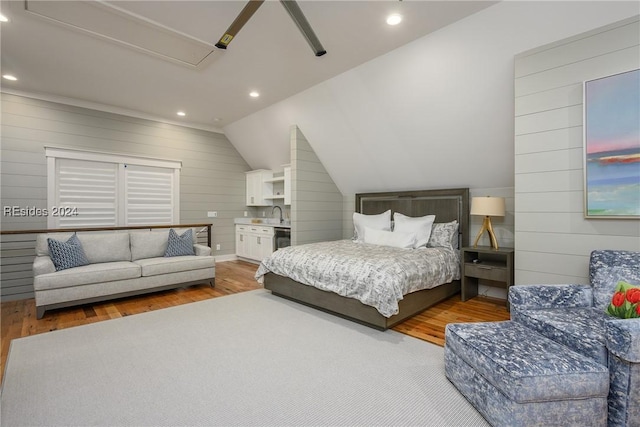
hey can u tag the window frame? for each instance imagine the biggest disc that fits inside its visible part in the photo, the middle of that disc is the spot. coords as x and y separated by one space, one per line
54 153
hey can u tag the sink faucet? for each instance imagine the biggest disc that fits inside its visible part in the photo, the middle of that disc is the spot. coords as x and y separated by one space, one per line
280 209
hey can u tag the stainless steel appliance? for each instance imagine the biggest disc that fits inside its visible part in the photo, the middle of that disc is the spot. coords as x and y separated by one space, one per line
282 238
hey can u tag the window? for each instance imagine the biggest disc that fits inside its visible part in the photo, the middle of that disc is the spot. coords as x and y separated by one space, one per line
89 189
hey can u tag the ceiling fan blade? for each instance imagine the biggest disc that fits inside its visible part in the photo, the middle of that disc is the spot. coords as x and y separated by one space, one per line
303 25
246 13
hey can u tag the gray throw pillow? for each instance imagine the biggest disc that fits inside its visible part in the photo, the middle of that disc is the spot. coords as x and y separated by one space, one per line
180 245
67 254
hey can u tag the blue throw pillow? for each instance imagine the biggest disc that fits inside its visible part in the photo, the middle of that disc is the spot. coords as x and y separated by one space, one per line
180 245
67 254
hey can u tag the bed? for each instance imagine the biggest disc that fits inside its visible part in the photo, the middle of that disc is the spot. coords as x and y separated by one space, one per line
446 204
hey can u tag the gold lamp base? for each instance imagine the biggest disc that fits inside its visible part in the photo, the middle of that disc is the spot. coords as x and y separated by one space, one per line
486 226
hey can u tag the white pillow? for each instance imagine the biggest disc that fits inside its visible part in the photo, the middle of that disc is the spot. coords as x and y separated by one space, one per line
377 222
396 239
421 226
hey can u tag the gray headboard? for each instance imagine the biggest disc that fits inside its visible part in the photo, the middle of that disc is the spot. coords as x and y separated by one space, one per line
445 204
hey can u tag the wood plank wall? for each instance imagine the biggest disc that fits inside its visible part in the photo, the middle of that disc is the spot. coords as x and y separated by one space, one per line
212 175
553 239
316 202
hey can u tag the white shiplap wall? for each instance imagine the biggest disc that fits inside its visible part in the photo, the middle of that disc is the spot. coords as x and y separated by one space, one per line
553 239
212 176
316 202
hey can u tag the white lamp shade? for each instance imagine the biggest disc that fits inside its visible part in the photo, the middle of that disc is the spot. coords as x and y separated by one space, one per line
487 206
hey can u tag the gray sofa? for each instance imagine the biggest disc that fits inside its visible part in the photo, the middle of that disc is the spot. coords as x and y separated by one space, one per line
120 264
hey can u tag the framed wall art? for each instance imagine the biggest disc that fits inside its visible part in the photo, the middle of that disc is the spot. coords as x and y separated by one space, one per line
612 146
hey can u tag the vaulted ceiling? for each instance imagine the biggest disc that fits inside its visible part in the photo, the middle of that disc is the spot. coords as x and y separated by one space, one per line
269 54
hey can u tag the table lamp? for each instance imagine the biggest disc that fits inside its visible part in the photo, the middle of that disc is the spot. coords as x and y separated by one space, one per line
487 206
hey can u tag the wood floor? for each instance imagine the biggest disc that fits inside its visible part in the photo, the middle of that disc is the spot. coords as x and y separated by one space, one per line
18 318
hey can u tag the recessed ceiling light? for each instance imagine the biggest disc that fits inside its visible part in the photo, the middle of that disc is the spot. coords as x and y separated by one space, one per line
181 113
3 18
10 77
254 94
394 19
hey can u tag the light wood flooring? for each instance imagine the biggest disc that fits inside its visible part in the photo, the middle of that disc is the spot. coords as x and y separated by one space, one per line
18 318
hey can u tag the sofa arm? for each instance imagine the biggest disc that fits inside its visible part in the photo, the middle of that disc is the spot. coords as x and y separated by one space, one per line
537 297
202 250
623 338
43 265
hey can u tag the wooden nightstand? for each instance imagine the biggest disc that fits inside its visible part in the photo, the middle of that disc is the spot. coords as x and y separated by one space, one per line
486 263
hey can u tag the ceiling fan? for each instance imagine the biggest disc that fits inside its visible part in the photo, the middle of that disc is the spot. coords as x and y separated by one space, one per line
294 11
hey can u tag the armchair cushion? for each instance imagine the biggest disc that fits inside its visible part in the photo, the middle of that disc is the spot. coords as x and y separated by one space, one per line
534 297
607 268
580 329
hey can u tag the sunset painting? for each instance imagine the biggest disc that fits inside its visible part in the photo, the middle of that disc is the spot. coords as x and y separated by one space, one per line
612 146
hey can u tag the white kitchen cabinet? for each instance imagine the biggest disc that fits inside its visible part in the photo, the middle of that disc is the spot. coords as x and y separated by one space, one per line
258 187
266 188
254 242
242 241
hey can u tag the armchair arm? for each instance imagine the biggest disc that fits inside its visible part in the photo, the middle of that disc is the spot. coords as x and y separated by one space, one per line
623 338
43 265
202 250
537 297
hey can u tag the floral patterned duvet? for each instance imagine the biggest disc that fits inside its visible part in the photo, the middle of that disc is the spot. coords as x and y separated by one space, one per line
375 275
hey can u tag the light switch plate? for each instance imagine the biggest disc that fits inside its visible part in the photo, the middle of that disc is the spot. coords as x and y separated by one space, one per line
212 214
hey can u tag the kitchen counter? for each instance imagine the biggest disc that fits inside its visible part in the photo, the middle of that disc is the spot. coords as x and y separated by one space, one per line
268 222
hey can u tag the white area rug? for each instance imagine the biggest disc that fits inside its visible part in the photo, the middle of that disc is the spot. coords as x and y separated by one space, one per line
245 359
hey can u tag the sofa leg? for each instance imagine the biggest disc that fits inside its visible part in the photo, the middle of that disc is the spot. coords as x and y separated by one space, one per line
212 282
40 312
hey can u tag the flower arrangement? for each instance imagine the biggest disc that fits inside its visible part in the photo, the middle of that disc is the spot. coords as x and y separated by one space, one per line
625 302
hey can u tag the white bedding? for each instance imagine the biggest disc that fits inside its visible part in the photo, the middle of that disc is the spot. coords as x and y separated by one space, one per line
376 275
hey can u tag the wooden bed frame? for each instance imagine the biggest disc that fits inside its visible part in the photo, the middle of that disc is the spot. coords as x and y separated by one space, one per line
446 204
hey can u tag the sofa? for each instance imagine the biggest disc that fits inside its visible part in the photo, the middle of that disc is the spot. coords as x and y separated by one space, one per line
574 316
115 264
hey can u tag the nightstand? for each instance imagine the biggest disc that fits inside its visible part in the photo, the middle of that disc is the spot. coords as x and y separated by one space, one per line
486 263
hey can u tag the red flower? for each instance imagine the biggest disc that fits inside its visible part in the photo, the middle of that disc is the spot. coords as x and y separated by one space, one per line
618 299
638 309
633 295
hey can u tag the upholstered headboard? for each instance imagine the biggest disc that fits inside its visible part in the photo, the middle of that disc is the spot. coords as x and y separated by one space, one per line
445 204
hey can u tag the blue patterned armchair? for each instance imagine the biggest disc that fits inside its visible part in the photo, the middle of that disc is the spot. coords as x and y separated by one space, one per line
574 315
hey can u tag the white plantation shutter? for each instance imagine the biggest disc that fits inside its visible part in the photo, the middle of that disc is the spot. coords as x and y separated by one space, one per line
88 189
149 195
85 194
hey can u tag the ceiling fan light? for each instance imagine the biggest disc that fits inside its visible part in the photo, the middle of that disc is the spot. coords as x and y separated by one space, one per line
394 19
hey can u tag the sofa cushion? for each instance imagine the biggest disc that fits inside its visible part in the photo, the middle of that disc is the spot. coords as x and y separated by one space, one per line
88 274
151 243
179 245
68 254
580 329
524 365
98 247
162 265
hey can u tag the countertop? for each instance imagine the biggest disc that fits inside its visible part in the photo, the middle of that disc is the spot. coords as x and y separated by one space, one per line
268 222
